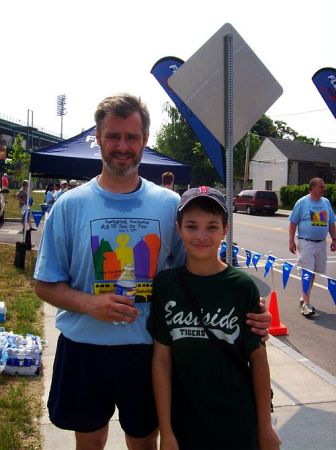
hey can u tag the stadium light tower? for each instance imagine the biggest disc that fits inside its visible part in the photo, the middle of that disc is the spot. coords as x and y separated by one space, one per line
61 111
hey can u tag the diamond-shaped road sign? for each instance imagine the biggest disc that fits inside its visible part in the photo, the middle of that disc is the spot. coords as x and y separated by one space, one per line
199 82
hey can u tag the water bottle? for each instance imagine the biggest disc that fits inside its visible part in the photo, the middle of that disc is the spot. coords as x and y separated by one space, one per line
12 361
126 284
3 311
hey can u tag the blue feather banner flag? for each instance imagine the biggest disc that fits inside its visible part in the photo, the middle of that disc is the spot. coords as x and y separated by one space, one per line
325 82
286 270
162 70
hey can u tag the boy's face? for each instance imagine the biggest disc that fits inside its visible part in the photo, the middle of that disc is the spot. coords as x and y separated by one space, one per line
201 233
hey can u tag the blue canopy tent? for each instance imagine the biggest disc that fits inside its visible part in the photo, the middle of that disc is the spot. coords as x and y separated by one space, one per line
79 157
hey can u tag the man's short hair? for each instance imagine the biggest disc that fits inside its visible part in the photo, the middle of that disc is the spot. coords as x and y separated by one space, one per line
167 178
123 105
314 181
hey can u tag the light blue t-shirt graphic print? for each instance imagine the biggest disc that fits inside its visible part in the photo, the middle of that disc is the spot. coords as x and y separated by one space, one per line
91 234
313 217
120 241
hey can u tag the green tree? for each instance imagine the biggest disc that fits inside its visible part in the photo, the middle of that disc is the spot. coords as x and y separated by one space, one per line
239 153
266 127
177 140
20 159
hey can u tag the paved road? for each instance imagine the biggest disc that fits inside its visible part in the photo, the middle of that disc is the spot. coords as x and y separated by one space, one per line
11 232
313 338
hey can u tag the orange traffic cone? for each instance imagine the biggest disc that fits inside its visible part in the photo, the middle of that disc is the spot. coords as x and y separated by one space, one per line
276 328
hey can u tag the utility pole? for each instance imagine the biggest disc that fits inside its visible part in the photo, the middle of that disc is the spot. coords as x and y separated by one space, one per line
61 111
247 160
30 126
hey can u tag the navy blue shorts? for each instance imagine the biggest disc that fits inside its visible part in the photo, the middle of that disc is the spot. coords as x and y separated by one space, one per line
89 381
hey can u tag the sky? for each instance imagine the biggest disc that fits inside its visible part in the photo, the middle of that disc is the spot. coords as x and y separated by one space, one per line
90 50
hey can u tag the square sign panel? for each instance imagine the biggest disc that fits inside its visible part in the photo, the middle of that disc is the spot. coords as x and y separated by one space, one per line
200 84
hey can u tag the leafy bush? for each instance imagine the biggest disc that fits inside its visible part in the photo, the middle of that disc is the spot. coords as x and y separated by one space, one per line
289 195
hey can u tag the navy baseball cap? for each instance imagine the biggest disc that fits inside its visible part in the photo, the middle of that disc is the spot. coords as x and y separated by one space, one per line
202 191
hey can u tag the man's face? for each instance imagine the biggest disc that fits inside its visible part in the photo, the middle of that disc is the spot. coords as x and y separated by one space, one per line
318 189
121 142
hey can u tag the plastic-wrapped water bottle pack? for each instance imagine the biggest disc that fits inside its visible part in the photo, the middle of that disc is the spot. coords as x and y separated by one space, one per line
3 311
20 355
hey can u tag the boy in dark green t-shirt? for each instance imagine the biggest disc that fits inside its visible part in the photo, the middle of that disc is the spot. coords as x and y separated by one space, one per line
212 391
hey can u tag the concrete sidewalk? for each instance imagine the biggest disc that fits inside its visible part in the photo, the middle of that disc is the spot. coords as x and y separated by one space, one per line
304 400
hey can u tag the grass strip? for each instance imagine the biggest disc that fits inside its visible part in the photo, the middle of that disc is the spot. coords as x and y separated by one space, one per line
20 397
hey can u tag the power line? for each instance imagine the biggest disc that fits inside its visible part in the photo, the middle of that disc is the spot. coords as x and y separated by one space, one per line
303 112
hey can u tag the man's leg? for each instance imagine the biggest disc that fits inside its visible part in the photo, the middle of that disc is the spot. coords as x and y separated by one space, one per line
147 443
306 258
95 440
136 405
307 308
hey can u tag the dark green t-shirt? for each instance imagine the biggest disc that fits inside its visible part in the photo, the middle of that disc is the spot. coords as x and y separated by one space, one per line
213 405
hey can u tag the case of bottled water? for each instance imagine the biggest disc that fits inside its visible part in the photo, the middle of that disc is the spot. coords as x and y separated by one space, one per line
20 355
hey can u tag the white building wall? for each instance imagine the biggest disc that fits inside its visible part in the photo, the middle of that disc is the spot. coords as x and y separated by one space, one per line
269 164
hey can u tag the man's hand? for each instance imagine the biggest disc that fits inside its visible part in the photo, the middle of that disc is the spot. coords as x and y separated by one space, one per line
333 245
260 322
112 308
292 246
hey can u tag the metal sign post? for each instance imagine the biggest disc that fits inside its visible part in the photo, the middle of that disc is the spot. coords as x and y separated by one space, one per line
228 127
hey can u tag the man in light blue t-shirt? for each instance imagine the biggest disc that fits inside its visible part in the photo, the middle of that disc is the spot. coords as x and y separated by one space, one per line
312 217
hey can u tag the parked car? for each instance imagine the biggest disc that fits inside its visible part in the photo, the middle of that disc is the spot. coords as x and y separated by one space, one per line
253 201
2 208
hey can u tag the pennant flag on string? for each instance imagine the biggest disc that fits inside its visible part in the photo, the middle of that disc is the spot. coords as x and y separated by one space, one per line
222 253
44 208
325 82
255 259
307 276
332 288
286 270
235 250
248 257
37 215
269 264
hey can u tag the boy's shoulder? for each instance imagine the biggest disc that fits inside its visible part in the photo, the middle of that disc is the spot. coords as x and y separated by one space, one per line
168 274
240 277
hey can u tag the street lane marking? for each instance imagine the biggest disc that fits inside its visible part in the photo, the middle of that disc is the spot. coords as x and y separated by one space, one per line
263 227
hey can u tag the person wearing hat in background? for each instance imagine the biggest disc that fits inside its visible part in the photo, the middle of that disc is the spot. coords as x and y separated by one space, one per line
72 184
204 395
63 188
92 232
22 197
49 198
